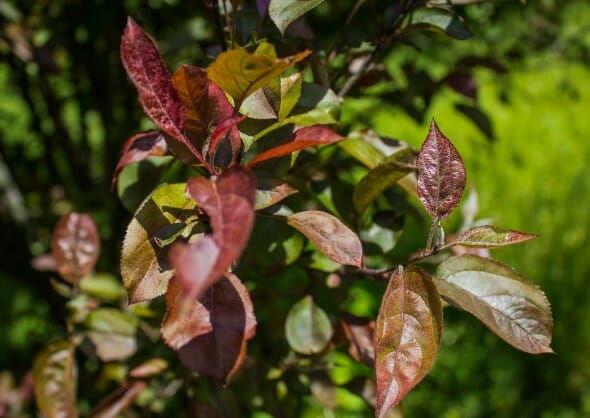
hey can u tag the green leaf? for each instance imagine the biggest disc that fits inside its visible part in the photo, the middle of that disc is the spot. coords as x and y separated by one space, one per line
283 12
103 286
290 94
439 19
382 177
362 151
407 335
144 265
112 332
488 236
317 105
308 328
54 378
510 305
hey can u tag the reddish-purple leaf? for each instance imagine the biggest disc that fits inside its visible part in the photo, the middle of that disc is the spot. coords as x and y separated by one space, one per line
488 236
359 332
140 147
227 128
309 136
211 338
407 336
463 83
118 401
334 239
441 174
75 246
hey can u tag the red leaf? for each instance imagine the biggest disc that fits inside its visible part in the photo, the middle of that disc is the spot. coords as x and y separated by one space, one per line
227 128
441 174
75 246
211 338
407 335
140 147
303 138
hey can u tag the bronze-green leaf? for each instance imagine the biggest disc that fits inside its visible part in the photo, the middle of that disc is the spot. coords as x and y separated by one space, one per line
488 236
308 328
510 305
407 335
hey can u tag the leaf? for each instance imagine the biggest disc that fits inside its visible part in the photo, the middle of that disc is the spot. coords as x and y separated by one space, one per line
211 338
262 7
226 127
229 202
283 12
103 286
138 148
382 177
240 73
310 136
441 174
362 151
257 106
317 105
112 332
488 236
479 118
54 378
270 191
118 401
192 85
75 246
511 306
157 95
441 20
144 264
152 367
307 327
359 332
290 94
330 235
407 335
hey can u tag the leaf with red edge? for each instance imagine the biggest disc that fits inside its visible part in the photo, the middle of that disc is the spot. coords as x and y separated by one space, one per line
157 94
211 338
441 174
359 332
118 401
75 246
309 136
225 128
229 201
407 335
488 236
334 239
140 147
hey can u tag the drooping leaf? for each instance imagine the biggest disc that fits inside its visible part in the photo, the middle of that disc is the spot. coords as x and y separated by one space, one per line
138 148
384 175
112 332
407 335
441 174
303 138
118 401
488 236
229 202
54 378
75 246
211 337
144 265
240 73
511 306
270 191
441 20
192 85
330 235
284 12
359 332
307 327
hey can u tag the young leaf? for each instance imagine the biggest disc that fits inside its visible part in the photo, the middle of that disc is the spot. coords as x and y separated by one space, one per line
310 136
488 236
144 266
441 20
211 338
112 333
118 401
239 73
359 332
75 246
54 377
308 328
334 239
407 335
270 191
283 12
441 174
384 175
138 148
511 306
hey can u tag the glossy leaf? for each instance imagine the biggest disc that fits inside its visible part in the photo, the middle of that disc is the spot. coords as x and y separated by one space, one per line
270 191
310 136
138 148
330 235
119 400
307 327
441 174
54 377
192 85
211 337
359 332
144 264
407 335
112 333
382 177
441 20
488 236
284 12
75 246
240 73
511 306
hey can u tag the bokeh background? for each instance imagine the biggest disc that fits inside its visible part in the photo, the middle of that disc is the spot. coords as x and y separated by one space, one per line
66 107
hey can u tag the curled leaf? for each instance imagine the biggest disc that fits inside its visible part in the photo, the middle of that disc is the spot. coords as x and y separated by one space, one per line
488 236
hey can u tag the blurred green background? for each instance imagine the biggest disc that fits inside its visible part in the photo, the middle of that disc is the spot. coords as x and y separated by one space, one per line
66 108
